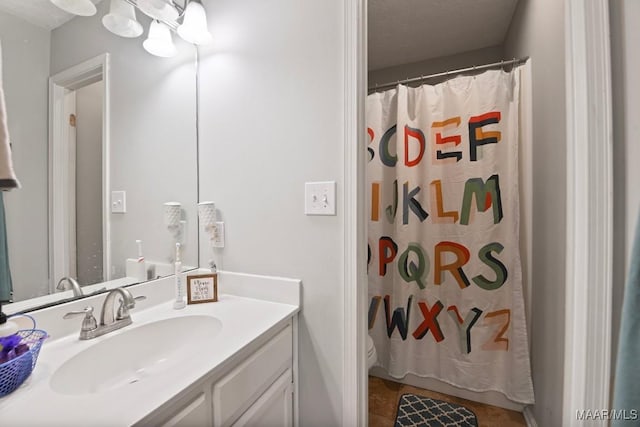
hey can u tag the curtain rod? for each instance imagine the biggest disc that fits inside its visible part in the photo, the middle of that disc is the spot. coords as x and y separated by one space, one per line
500 64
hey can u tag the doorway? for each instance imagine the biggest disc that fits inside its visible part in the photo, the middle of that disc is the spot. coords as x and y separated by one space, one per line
78 171
584 378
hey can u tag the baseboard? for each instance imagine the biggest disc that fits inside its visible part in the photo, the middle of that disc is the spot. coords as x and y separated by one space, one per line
528 417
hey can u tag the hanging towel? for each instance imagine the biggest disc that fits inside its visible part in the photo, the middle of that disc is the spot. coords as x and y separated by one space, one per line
626 396
8 178
6 285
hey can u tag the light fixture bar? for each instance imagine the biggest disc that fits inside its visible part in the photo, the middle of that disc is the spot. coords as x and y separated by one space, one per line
173 25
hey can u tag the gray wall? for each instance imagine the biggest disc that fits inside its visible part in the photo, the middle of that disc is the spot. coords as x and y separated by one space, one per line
537 31
153 133
89 183
625 34
436 65
25 62
271 114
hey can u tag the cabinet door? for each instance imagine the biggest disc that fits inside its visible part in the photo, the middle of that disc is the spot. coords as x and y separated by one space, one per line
234 393
273 408
194 413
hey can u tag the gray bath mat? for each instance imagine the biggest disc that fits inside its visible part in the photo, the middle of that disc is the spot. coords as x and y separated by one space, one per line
420 411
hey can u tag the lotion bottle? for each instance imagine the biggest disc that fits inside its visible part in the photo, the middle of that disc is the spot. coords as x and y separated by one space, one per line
7 327
179 302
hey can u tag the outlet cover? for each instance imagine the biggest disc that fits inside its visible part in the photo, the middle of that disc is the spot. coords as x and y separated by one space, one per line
320 198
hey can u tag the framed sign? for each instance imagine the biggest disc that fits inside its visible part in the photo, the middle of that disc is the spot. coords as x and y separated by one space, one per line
202 288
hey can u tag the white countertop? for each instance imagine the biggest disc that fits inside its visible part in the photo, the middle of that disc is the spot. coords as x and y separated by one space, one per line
243 319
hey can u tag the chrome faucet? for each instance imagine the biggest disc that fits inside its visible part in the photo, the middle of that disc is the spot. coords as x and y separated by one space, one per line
75 286
108 320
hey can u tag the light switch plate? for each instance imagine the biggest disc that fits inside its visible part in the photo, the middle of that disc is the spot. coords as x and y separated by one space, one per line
320 198
118 202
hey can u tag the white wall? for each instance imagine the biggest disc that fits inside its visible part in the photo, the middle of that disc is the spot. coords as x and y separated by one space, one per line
436 65
537 30
271 118
153 133
625 61
25 62
89 184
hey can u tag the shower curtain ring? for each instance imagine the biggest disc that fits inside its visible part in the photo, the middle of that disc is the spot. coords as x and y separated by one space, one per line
502 65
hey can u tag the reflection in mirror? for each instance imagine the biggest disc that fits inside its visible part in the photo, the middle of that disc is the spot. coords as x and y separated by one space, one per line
98 154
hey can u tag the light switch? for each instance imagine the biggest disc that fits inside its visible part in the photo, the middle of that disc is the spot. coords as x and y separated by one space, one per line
118 202
320 198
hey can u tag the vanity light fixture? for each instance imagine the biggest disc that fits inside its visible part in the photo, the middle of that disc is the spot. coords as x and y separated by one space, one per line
187 17
121 20
159 41
158 9
76 7
194 24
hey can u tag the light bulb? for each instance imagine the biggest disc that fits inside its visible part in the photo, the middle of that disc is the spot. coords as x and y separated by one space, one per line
159 41
121 20
194 24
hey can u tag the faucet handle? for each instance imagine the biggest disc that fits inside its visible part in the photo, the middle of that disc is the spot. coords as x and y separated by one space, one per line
123 309
89 322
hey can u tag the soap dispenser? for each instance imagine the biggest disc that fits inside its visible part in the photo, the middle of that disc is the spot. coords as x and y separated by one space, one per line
7 327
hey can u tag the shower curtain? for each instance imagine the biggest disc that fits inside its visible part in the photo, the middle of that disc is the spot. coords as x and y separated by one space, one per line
445 280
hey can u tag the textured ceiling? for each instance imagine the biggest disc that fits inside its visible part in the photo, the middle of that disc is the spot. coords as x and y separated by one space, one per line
406 31
42 13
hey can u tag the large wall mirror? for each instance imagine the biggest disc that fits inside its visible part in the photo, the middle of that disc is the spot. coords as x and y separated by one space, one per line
103 138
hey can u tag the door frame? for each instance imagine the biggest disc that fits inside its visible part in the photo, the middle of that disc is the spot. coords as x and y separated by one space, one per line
83 74
356 384
589 250
587 352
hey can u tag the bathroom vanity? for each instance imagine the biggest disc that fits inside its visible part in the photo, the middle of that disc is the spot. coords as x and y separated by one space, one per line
231 362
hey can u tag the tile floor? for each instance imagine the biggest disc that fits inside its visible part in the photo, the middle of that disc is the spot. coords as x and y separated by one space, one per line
384 396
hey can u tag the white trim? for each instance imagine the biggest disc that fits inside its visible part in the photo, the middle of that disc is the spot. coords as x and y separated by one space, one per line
106 169
587 348
525 156
88 72
69 196
529 419
296 371
58 163
355 387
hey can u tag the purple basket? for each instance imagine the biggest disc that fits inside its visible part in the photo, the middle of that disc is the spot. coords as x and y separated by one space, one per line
15 371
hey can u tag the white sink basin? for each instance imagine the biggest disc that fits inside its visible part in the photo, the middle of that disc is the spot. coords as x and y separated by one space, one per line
135 353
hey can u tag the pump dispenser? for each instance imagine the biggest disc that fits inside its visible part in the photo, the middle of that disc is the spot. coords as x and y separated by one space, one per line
7 327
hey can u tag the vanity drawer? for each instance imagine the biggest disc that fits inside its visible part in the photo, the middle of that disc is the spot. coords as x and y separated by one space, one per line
236 391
